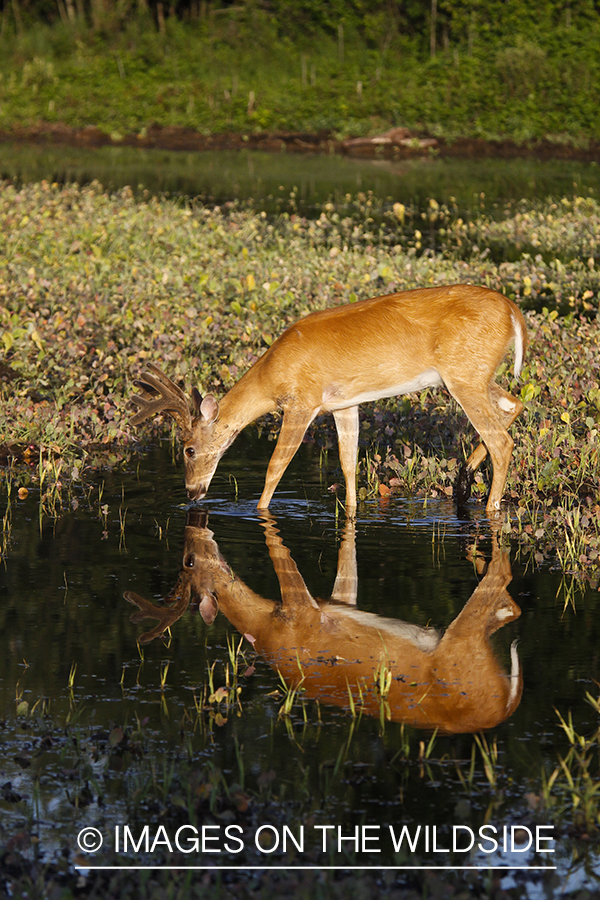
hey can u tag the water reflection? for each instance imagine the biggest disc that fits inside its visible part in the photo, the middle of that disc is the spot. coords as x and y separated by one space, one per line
406 672
269 178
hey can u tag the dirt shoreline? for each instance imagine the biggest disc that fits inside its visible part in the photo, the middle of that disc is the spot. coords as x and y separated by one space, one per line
398 143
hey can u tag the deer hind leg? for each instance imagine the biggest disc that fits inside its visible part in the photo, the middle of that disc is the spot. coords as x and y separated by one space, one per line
490 413
346 423
509 408
293 429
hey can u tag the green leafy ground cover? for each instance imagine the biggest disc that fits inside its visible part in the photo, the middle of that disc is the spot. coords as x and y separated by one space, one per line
521 73
92 286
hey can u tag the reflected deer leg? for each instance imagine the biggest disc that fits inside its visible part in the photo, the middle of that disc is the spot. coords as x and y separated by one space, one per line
294 593
509 408
345 588
346 423
293 428
490 607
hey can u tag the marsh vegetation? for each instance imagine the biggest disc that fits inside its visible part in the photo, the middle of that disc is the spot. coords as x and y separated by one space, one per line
96 284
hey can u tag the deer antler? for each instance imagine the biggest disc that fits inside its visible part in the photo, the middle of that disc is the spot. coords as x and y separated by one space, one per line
160 394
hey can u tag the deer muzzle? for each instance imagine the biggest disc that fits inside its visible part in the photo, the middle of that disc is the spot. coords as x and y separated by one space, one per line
197 493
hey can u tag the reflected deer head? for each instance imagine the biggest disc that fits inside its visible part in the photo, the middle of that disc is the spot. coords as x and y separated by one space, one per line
451 681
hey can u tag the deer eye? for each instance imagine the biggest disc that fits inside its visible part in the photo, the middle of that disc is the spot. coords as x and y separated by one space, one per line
190 452
189 561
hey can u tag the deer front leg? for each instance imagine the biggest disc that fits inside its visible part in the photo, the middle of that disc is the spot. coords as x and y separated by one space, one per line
293 428
346 422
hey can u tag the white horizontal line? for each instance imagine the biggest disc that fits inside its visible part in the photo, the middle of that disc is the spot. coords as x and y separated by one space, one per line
268 868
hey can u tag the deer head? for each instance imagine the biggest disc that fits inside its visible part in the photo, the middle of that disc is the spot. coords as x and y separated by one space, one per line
196 421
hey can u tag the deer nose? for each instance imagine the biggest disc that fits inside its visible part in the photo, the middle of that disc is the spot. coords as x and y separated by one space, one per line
196 493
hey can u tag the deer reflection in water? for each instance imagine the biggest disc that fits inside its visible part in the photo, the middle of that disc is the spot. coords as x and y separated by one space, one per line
451 681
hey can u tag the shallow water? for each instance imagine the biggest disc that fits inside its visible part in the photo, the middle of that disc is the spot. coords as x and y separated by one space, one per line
269 178
64 617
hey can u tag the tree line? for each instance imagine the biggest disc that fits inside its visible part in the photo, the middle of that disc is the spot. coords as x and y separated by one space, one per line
439 24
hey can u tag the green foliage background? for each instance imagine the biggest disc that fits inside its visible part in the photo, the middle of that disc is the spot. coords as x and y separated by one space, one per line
453 68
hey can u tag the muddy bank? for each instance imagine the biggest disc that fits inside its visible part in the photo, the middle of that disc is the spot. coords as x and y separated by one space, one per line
397 143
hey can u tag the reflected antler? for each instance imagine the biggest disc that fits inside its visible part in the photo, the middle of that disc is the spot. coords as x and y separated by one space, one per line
160 394
174 606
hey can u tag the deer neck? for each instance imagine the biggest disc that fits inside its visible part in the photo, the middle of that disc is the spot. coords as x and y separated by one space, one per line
241 405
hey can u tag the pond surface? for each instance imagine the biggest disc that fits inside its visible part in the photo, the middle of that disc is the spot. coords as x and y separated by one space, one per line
75 647
269 178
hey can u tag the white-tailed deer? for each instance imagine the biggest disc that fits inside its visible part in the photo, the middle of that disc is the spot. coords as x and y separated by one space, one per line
331 361
452 681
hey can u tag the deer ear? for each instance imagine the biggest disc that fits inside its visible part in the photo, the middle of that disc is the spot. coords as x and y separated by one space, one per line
196 400
209 409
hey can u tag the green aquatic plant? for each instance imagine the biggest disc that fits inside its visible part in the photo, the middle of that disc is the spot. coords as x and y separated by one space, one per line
489 756
572 789
291 693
